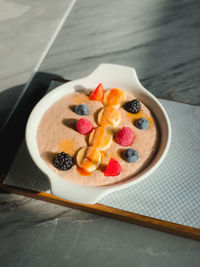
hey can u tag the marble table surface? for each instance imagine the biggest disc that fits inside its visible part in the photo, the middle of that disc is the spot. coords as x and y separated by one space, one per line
27 29
161 40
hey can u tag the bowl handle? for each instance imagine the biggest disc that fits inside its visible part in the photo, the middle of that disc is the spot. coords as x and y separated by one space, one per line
87 195
122 76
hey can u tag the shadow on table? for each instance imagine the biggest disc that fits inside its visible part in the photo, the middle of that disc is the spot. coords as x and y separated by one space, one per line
8 98
25 174
12 133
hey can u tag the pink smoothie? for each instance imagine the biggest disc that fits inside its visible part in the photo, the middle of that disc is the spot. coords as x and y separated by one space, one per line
56 133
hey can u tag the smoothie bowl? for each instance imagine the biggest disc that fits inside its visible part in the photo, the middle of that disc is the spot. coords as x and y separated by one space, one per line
98 134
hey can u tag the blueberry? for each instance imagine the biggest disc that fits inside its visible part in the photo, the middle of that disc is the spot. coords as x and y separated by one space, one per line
142 123
130 155
81 109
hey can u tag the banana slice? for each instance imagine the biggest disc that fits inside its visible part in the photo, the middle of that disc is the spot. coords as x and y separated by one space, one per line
101 138
114 97
109 116
88 158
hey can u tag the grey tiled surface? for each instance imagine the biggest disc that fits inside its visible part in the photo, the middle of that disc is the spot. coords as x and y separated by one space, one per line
21 176
172 192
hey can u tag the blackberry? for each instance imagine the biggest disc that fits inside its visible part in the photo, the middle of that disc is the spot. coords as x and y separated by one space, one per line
142 123
63 161
132 106
130 155
81 109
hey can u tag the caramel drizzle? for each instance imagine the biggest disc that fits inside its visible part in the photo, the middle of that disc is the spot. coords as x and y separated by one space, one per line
108 110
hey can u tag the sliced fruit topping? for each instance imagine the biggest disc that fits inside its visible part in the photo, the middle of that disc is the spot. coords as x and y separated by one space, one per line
88 158
114 97
83 172
109 116
130 155
125 136
101 138
84 126
63 161
98 93
81 109
132 106
142 124
113 168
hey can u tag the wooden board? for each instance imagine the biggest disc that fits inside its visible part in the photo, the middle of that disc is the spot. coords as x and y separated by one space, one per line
114 213
18 121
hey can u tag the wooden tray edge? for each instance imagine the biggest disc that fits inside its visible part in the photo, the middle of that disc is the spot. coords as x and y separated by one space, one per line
149 222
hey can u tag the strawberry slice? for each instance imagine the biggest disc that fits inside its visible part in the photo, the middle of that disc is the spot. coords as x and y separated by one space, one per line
98 93
113 168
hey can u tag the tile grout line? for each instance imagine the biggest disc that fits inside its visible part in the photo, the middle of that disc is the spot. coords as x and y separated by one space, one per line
46 50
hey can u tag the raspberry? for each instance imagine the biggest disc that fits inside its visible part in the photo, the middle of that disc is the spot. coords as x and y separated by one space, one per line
113 168
125 136
84 126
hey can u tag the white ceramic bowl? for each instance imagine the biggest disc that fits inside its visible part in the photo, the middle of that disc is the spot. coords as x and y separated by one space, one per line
111 76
